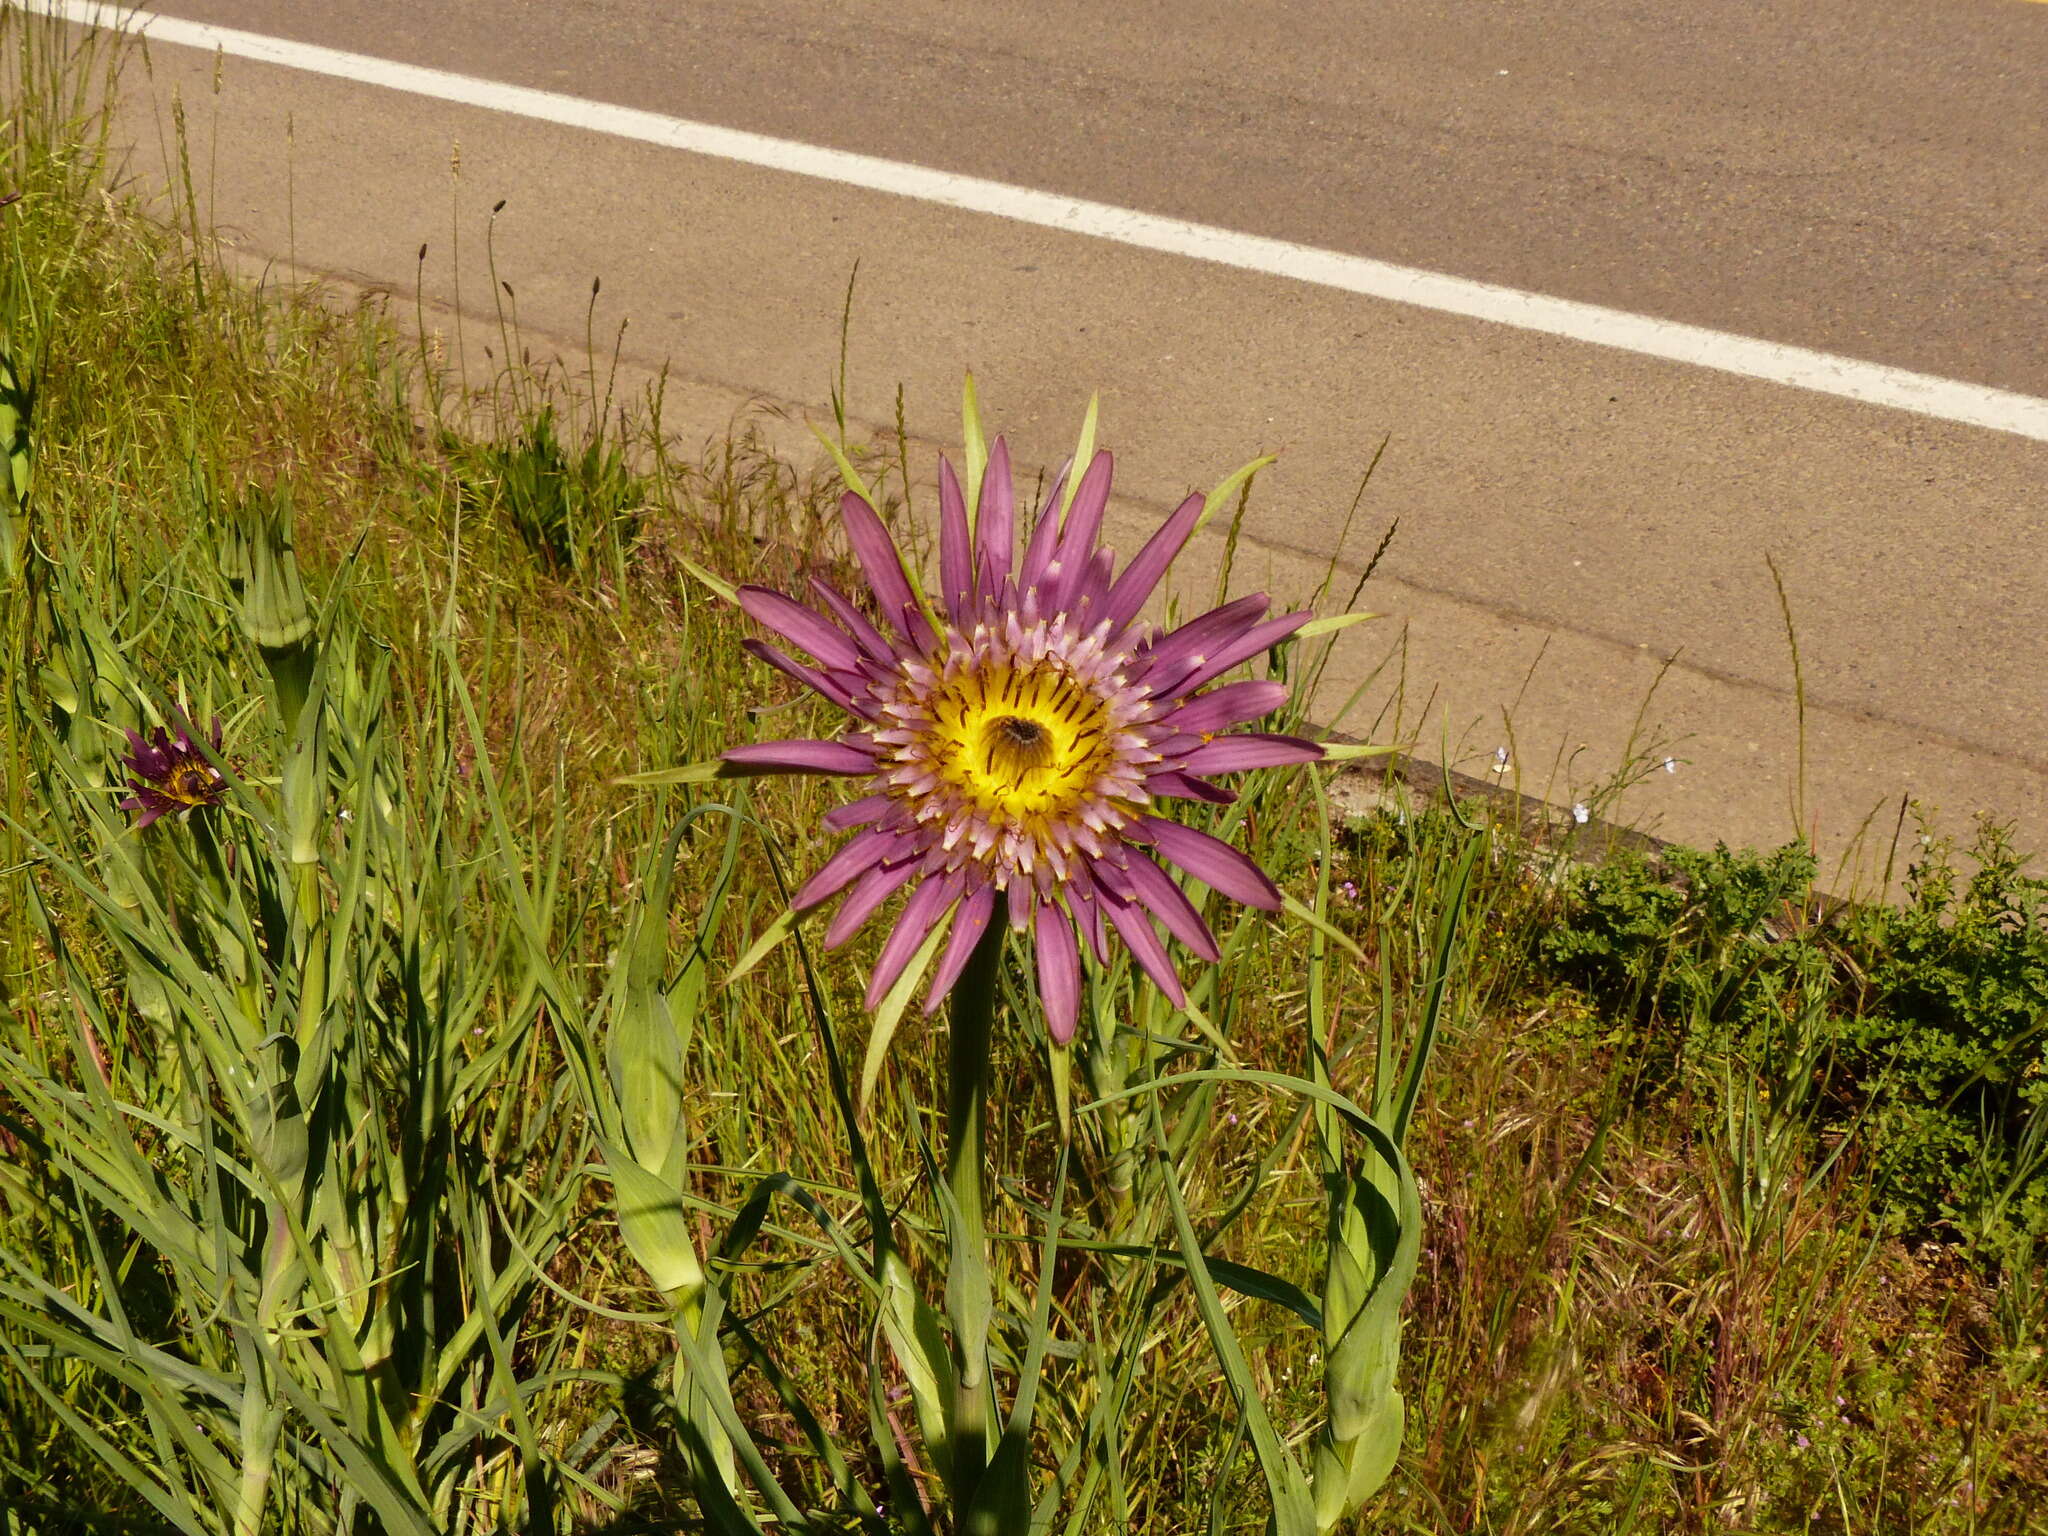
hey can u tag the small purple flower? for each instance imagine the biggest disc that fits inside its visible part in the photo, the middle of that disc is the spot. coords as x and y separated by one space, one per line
170 775
1013 739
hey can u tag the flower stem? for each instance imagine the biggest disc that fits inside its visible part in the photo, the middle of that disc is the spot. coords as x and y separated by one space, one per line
968 1304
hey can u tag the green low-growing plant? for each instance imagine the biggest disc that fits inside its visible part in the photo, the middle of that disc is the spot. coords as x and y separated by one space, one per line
1949 1043
1933 1013
577 508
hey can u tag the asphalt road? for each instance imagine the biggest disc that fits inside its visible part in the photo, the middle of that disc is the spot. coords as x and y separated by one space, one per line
1866 180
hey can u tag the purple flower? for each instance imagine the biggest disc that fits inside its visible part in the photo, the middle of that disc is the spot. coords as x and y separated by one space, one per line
1013 741
169 774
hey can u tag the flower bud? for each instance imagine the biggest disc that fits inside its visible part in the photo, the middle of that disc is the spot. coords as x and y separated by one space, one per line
17 405
276 616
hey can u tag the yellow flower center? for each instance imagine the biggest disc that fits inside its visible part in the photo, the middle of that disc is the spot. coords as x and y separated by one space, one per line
191 785
1020 742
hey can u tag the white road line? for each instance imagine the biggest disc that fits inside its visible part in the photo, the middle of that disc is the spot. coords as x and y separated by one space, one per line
1873 383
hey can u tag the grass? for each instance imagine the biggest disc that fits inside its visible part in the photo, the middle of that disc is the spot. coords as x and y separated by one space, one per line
1680 1270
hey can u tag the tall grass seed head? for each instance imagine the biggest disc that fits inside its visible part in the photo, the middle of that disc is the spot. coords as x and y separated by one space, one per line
1013 740
169 774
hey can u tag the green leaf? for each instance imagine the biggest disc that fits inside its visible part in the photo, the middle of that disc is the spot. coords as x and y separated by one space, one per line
1297 909
890 1014
1452 914
847 472
1084 454
1352 751
1258 1284
1346 1475
717 584
911 1325
1293 1504
1002 1503
771 936
1362 1436
975 443
645 1046
1331 624
908 1506
689 773
656 1228
1263 1286
1227 490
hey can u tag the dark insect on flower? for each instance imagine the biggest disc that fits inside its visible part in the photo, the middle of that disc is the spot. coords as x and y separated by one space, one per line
169 774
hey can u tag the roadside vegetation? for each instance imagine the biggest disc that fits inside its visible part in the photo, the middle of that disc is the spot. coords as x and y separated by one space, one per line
326 1114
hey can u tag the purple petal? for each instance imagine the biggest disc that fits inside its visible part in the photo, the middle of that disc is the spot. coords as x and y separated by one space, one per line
856 813
146 759
970 922
1084 518
801 756
1261 637
995 532
1088 586
1088 916
1045 535
876 552
854 859
1175 746
869 638
1142 575
956 560
1252 749
868 893
1232 704
1169 903
1213 862
818 682
800 626
927 904
1059 971
1199 636
1135 928
1178 786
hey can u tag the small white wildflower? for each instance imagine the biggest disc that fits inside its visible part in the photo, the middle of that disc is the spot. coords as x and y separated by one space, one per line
1582 813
